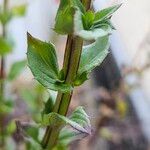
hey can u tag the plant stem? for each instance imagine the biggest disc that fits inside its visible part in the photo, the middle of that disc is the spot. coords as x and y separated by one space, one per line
2 86
2 69
70 67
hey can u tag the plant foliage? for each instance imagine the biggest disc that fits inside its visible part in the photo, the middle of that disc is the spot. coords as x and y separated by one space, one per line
71 19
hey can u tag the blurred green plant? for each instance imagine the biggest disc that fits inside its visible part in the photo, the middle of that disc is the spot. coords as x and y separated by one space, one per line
75 19
7 104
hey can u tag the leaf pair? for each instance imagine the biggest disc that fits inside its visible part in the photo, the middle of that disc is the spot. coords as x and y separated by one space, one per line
88 25
42 57
43 63
79 126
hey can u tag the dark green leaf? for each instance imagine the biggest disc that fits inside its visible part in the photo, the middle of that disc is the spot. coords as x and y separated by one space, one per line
5 46
43 63
16 69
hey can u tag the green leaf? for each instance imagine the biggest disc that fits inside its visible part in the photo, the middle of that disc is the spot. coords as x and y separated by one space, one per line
60 147
43 63
30 98
48 108
92 33
11 127
88 19
68 135
78 5
5 46
32 145
106 22
80 79
16 69
92 56
79 120
105 13
6 107
5 17
64 19
29 131
19 10
33 132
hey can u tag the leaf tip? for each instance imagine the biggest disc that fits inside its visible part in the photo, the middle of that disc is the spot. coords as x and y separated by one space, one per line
118 6
29 36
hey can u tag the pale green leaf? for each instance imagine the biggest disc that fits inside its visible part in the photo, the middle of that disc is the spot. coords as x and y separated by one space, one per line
68 135
11 127
92 56
5 17
79 120
30 98
43 63
33 132
30 132
19 10
90 34
78 5
6 107
16 69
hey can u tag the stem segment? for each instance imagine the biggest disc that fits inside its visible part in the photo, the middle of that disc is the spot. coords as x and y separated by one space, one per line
2 86
70 67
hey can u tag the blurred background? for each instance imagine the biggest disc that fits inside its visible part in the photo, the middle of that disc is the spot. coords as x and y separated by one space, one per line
117 96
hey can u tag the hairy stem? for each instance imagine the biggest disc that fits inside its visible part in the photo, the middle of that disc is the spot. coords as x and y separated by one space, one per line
70 67
2 76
